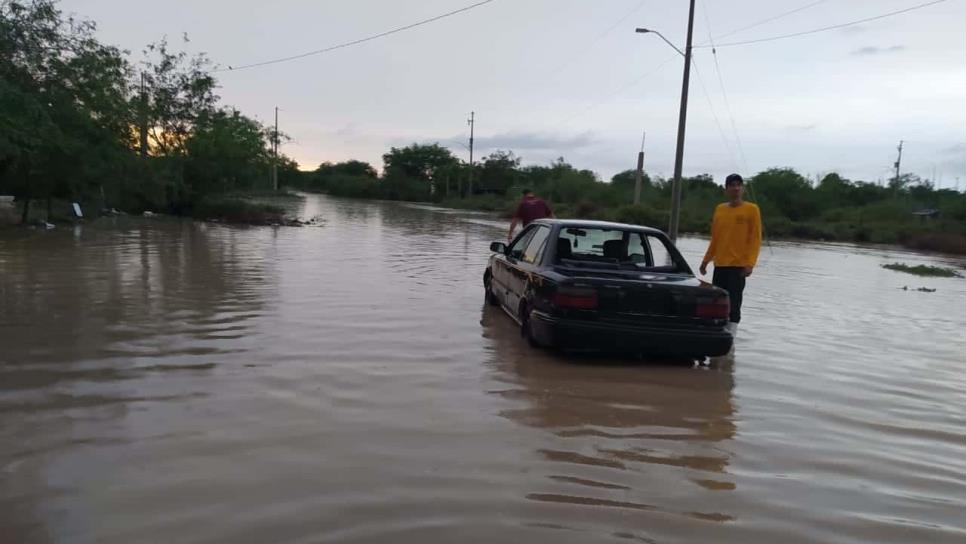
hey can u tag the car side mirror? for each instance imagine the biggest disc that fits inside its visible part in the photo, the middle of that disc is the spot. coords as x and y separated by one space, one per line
498 247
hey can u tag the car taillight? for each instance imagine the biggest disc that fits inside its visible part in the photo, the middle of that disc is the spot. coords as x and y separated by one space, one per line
718 308
574 297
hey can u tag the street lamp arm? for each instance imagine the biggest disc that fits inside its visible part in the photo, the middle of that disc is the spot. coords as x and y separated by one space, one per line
649 31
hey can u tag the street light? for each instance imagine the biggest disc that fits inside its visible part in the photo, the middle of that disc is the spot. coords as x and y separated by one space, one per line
649 31
682 121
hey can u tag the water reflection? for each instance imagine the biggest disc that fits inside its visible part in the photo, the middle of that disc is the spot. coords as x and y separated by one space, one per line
179 382
623 432
97 323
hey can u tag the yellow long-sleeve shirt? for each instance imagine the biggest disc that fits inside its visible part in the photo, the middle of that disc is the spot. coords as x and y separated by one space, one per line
735 235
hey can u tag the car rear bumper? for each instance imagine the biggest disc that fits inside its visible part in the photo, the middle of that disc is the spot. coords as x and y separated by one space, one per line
579 334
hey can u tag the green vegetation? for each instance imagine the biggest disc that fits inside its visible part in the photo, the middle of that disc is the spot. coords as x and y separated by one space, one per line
923 270
78 122
833 209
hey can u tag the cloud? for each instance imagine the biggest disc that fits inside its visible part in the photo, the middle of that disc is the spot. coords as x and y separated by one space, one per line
854 29
874 50
531 141
955 149
802 128
347 130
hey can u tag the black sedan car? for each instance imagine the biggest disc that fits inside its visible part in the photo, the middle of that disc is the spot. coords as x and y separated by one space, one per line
577 284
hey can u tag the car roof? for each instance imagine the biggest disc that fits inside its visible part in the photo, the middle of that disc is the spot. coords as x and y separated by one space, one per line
587 223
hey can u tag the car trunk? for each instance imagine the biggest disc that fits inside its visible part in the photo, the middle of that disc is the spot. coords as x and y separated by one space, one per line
643 296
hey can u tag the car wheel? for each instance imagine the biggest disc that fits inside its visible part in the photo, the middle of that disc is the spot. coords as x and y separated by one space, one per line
526 331
488 290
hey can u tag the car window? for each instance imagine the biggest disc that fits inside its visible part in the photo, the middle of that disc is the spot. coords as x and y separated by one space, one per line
647 250
536 244
638 250
516 249
616 248
589 242
660 256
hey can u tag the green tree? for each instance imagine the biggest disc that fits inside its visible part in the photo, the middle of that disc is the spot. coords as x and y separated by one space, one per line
628 178
180 93
498 172
787 192
417 161
225 151
64 104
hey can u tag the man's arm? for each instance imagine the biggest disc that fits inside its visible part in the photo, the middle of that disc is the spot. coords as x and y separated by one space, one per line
712 247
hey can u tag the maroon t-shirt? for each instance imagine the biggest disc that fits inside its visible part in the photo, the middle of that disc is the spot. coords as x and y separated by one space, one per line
531 209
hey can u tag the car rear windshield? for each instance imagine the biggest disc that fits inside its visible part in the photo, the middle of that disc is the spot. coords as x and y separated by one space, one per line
616 248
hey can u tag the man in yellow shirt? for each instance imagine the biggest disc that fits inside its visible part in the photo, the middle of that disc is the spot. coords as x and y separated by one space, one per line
734 246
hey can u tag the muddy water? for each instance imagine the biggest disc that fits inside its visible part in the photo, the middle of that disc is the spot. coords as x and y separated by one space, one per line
163 381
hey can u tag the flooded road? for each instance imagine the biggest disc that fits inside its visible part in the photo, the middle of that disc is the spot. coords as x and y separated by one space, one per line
166 381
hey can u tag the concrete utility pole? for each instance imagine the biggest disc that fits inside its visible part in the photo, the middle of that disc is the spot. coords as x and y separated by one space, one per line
471 122
898 162
275 153
640 172
682 122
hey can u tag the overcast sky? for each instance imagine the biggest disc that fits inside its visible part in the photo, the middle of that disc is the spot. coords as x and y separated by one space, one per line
550 78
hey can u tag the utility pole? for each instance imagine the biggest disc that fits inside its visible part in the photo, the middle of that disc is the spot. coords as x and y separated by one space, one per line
898 162
143 121
682 121
275 153
471 121
640 172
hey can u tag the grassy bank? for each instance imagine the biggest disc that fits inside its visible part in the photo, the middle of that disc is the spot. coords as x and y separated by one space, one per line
923 270
906 211
941 236
250 208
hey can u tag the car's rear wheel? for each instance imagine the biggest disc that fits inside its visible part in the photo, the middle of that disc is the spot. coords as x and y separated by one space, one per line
489 296
526 330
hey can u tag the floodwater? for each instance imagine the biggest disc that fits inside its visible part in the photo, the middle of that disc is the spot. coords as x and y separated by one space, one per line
168 381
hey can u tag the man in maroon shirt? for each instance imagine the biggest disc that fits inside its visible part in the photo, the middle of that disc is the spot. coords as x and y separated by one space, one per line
530 209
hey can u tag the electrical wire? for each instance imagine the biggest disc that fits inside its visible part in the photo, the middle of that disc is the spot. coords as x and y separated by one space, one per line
764 21
827 28
599 37
714 114
623 88
724 93
353 42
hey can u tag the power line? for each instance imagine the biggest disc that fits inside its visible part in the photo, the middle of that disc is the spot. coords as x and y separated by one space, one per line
714 115
724 93
734 128
353 42
827 28
554 73
599 37
623 88
764 21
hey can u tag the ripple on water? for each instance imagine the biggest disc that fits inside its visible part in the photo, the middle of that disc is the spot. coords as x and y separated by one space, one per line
346 384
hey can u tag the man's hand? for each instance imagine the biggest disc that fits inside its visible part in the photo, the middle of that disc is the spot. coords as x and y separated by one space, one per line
748 271
704 269
509 237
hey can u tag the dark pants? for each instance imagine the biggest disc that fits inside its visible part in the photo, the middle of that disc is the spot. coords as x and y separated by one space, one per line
732 280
